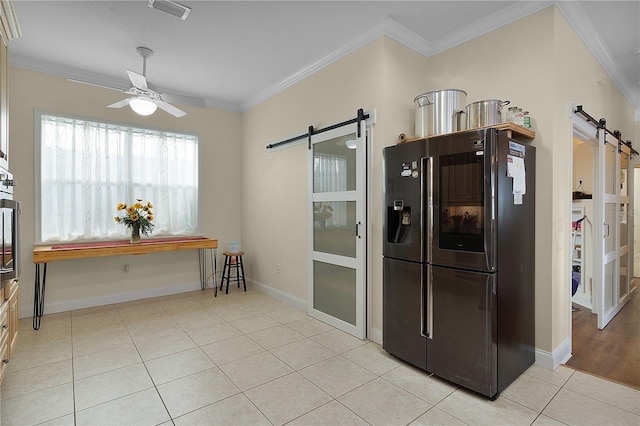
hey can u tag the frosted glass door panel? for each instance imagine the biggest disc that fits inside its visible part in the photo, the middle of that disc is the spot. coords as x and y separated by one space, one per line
624 170
610 169
609 226
609 285
334 165
624 276
624 229
334 227
334 291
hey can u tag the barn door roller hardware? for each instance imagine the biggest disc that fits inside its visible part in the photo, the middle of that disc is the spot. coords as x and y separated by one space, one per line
313 131
602 124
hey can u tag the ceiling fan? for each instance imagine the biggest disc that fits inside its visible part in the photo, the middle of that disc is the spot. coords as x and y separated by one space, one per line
145 99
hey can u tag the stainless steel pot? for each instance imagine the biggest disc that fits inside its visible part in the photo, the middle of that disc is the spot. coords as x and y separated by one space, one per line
485 113
440 112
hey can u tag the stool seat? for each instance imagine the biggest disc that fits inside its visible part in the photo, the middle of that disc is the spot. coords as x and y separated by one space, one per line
233 260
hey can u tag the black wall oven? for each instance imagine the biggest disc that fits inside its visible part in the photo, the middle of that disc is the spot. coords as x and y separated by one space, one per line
10 225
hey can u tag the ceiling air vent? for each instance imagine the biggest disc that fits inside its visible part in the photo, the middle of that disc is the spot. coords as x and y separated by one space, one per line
171 7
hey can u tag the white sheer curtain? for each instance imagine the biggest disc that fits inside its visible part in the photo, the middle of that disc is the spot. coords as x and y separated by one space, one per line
330 175
87 168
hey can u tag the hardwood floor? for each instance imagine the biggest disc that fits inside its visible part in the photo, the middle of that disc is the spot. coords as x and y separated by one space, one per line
612 353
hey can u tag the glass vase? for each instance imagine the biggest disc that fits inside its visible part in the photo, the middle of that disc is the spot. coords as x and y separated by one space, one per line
135 235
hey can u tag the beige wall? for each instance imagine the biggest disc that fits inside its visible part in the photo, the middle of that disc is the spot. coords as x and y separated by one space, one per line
488 67
383 75
103 279
274 205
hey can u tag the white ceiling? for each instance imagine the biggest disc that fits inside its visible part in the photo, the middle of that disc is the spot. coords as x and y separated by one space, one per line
236 54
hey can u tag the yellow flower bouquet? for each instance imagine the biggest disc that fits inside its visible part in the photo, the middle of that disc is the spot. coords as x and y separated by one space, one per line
138 217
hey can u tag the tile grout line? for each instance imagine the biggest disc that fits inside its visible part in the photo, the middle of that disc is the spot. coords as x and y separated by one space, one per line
155 386
294 370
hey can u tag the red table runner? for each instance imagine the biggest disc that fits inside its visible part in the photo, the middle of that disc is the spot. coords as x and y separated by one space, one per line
124 242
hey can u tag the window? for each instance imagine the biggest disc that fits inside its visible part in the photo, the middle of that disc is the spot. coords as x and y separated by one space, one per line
87 168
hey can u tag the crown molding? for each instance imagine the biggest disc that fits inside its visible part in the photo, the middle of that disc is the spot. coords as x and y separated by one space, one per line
575 16
407 37
401 34
9 25
359 41
571 11
482 26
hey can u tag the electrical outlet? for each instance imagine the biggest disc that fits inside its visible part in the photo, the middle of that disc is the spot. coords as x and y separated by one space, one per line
126 268
278 268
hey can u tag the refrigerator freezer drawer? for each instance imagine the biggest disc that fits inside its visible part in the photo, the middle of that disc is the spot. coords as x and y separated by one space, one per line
462 348
402 311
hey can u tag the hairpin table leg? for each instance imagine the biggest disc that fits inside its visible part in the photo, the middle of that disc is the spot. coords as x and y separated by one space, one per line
38 296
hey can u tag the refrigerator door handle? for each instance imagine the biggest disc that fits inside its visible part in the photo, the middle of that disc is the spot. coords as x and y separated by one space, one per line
427 299
490 200
422 294
428 196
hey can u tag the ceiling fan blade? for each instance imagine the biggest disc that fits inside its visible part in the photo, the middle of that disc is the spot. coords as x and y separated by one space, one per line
119 89
182 99
138 80
177 112
120 104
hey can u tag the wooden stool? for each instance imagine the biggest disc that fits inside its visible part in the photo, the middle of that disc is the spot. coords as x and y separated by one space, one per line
233 260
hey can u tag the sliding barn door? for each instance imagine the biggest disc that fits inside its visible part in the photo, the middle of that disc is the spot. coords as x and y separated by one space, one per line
337 228
611 291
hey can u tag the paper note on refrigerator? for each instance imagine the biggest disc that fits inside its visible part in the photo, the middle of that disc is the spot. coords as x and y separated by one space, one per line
515 169
517 198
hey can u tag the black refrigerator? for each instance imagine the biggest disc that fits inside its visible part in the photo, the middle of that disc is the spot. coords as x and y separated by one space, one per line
458 270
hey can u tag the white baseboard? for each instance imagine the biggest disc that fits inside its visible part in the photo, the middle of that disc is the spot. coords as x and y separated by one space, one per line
375 335
553 360
583 300
53 308
279 294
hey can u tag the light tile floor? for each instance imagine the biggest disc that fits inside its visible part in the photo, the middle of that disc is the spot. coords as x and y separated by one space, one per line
248 359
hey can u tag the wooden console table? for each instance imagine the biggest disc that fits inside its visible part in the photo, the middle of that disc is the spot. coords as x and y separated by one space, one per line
44 254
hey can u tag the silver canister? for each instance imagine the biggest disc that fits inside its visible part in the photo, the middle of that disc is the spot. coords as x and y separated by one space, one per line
439 112
485 113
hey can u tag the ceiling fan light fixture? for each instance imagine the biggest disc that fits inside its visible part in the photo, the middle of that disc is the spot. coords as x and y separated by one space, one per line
171 7
142 106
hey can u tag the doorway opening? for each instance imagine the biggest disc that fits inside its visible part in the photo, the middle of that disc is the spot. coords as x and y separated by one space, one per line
605 328
582 218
